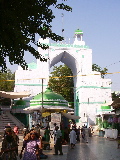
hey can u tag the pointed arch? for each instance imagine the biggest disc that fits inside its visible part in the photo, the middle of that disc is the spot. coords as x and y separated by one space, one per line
66 58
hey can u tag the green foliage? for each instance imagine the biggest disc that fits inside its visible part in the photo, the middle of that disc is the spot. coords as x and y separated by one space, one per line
7 81
97 68
63 85
115 95
20 21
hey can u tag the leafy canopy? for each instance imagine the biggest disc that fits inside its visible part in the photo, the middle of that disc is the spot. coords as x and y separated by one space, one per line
97 68
20 21
7 82
115 95
63 85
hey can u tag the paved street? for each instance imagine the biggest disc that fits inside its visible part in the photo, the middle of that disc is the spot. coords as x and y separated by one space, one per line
98 148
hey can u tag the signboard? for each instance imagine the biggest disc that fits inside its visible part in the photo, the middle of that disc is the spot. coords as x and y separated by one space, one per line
55 118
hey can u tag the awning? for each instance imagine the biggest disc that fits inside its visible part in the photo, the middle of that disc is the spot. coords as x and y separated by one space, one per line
70 116
35 108
45 114
14 95
48 108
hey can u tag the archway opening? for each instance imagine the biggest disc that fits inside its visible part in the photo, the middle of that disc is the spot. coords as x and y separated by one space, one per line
63 76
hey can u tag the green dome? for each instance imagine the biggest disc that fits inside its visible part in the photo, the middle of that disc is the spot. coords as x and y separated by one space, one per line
49 98
78 31
20 102
49 95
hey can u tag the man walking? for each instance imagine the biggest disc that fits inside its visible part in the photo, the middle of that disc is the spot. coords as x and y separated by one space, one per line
58 141
72 137
86 133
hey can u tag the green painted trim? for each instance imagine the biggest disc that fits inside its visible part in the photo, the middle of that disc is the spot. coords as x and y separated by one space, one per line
104 110
51 101
31 84
92 103
24 100
78 31
92 87
32 65
64 45
77 108
48 104
57 102
105 107
19 107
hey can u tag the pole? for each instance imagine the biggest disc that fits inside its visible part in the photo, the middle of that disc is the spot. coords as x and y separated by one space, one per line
62 23
42 93
42 101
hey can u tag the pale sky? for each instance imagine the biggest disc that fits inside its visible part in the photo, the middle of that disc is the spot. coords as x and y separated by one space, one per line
100 22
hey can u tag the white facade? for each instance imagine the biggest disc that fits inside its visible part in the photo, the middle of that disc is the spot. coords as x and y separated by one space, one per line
90 90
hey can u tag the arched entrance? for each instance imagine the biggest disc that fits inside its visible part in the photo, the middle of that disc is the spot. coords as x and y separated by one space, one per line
90 90
67 58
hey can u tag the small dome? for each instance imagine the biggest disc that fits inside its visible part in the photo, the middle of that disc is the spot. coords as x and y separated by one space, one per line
20 102
49 95
78 31
50 98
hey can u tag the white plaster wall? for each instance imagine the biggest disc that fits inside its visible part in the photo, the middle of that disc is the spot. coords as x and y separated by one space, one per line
93 90
30 80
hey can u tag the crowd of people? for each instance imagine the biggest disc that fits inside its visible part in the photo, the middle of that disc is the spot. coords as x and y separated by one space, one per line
71 135
38 138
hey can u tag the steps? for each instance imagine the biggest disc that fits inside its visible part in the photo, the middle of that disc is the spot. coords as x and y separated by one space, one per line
4 122
6 118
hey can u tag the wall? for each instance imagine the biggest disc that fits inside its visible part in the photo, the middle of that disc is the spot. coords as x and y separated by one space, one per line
90 90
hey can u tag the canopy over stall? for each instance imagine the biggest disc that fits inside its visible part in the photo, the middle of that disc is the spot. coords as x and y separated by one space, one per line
70 116
14 95
48 108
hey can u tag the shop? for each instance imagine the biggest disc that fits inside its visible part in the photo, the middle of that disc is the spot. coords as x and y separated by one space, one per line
109 124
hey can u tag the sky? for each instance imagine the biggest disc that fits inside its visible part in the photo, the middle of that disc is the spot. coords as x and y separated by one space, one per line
100 22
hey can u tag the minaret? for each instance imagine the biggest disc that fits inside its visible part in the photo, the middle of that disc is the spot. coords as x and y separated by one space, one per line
78 37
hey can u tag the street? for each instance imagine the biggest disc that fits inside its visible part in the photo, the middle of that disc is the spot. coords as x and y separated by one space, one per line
97 148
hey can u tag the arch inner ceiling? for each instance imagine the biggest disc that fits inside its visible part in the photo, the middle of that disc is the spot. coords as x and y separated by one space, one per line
67 59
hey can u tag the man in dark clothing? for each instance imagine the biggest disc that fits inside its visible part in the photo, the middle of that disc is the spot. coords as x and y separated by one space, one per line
58 141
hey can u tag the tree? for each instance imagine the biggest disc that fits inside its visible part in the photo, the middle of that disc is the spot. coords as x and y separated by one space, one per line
20 21
63 85
115 95
7 82
97 68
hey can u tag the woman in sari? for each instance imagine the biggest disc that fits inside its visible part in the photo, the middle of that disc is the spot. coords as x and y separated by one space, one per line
32 146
